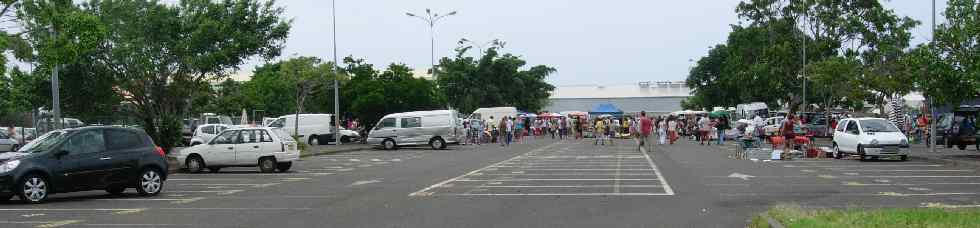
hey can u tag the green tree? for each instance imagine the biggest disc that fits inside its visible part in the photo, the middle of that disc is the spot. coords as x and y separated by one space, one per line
373 94
160 53
949 67
494 80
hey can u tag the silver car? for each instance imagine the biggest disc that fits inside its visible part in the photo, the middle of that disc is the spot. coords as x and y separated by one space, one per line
433 128
7 143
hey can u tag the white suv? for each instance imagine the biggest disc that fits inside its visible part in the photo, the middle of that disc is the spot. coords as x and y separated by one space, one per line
869 138
268 148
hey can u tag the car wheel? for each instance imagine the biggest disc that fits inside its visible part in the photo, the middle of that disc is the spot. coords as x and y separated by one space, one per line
267 164
214 169
283 167
33 189
5 197
195 164
437 143
115 189
312 140
837 153
389 144
962 146
150 182
904 157
345 139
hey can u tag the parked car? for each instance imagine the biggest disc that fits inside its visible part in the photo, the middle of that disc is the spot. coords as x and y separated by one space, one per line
82 159
958 128
270 149
187 130
817 124
25 135
315 129
7 143
433 128
205 133
773 124
869 138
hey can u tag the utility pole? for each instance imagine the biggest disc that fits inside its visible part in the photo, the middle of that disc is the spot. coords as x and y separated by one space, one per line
336 75
931 142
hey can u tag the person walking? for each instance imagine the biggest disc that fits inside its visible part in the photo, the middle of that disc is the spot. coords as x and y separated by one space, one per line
722 127
599 132
704 126
671 129
786 130
645 129
503 132
477 131
518 129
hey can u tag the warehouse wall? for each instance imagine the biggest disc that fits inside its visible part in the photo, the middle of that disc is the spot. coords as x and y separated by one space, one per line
628 105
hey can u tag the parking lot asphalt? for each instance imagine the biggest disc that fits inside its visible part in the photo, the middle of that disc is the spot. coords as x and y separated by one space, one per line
545 183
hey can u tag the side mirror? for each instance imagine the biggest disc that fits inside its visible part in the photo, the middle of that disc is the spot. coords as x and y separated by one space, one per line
60 153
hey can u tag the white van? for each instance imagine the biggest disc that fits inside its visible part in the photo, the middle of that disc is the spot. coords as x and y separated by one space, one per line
315 129
435 128
496 112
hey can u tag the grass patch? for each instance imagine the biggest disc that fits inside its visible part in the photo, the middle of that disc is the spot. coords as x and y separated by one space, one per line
796 216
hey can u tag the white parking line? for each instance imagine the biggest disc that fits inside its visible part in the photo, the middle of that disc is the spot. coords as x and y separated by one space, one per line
527 179
424 191
587 169
563 194
908 170
660 176
859 166
566 186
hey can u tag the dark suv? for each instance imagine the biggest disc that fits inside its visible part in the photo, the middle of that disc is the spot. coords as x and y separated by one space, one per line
82 159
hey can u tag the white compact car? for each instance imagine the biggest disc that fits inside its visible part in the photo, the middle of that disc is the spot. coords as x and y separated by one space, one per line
268 148
205 133
869 138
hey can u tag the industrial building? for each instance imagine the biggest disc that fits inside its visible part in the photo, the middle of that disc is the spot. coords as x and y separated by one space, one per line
652 97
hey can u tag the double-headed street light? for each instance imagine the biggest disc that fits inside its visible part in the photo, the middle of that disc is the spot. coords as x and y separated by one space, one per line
431 19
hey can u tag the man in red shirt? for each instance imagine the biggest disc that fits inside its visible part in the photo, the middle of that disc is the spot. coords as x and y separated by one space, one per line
646 127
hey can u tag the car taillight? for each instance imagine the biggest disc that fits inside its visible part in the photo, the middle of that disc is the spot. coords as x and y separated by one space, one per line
160 152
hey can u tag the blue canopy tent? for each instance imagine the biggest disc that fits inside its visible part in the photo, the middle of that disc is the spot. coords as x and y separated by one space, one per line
606 109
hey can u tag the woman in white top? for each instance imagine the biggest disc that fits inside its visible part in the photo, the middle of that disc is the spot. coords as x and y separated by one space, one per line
672 130
662 130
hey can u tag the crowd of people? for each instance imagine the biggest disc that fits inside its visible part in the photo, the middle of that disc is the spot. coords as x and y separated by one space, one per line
508 130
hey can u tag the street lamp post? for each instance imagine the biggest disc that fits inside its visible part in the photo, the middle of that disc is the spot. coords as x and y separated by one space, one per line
478 45
931 141
336 77
431 19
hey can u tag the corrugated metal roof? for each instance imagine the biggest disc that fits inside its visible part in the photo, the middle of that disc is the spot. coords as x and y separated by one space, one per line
656 89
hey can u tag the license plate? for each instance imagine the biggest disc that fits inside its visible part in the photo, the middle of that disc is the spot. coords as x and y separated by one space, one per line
890 149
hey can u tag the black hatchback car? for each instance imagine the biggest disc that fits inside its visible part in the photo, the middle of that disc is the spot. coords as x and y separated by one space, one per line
82 159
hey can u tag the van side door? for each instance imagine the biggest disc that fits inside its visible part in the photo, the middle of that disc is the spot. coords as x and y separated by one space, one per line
411 130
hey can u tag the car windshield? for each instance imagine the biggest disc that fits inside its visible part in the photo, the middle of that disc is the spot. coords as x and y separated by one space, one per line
43 143
878 125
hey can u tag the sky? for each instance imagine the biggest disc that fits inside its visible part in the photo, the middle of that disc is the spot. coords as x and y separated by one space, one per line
588 42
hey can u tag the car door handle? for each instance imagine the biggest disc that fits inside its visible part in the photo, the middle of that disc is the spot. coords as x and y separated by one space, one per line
231 148
105 158
256 147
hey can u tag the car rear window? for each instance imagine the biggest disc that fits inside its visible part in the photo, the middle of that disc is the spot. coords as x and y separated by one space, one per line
282 135
121 139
